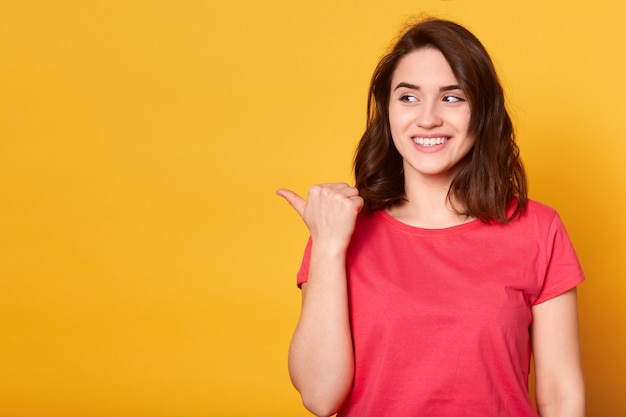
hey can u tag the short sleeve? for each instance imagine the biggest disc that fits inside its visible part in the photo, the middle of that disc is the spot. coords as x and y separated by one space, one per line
303 273
563 270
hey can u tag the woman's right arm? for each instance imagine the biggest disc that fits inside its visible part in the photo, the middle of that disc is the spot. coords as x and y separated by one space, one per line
321 358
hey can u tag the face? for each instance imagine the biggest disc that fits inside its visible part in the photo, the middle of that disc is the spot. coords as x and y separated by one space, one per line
429 116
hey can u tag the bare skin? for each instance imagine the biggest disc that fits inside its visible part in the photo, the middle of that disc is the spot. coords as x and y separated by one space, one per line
559 387
321 359
321 362
429 117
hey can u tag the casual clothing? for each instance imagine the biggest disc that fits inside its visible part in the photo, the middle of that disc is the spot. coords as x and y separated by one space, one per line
440 317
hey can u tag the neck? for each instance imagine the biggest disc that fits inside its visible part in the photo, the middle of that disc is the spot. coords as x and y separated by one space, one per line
428 205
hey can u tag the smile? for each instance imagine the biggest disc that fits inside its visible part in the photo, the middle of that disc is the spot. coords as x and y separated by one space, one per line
429 141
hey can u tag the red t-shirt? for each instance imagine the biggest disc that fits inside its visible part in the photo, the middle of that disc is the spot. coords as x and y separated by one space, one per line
440 317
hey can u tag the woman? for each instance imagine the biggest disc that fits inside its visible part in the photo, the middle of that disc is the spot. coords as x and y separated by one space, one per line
427 286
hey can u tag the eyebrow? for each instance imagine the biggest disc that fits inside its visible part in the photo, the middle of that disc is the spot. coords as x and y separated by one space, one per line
415 87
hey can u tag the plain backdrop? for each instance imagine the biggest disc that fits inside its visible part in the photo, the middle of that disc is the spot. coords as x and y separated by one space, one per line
146 266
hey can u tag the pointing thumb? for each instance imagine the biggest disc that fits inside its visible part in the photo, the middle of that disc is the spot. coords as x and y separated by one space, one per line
294 199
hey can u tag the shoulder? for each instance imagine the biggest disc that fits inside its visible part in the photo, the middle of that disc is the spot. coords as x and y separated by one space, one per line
535 223
541 210
537 212
375 227
368 222
540 206
541 221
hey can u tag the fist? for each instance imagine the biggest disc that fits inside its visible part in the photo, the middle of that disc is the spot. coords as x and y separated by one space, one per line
330 212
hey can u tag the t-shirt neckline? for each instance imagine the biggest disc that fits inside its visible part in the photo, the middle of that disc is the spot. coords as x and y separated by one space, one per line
445 231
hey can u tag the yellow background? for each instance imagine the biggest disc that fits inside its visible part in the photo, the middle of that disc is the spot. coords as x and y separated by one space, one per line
146 266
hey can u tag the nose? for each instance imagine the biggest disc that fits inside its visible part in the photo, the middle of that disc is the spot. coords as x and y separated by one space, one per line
428 116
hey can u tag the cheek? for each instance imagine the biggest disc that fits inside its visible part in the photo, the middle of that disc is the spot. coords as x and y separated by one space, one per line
466 147
399 120
467 121
470 142
393 122
462 119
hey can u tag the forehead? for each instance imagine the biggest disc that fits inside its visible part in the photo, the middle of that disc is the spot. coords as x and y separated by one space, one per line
426 65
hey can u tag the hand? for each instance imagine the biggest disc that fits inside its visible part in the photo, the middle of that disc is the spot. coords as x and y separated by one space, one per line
329 213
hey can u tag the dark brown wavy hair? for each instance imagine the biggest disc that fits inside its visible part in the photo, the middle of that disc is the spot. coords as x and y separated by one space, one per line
491 176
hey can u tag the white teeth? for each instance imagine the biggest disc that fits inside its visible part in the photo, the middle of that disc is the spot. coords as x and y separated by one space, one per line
429 141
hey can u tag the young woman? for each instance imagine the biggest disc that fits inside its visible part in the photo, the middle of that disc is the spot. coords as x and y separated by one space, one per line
427 286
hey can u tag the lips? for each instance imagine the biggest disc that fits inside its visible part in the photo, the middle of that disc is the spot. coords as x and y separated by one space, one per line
430 141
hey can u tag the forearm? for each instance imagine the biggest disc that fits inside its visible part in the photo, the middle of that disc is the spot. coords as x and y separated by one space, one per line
559 382
321 360
564 407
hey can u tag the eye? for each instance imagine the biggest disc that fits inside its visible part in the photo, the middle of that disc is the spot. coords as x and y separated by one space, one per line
407 98
452 99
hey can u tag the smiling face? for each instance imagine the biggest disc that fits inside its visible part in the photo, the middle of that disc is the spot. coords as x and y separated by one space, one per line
429 116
